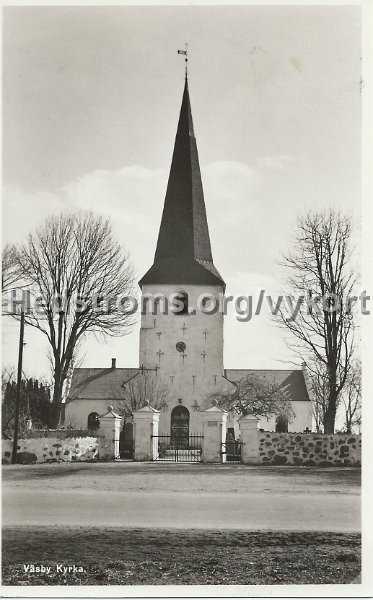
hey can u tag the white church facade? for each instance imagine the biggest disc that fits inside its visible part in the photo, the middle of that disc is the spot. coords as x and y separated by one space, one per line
180 353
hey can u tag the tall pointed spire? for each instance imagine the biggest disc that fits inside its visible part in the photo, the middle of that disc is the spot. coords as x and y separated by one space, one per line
183 253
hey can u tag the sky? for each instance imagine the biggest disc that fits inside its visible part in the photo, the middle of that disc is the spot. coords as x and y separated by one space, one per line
91 98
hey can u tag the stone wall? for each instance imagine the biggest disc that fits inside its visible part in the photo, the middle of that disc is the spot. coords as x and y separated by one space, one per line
52 449
309 449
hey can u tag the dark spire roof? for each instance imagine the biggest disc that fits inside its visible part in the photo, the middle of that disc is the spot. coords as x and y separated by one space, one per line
183 254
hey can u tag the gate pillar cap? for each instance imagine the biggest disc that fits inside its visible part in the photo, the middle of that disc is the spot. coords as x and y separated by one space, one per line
147 413
146 409
248 417
215 409
109 414
248 422
214 414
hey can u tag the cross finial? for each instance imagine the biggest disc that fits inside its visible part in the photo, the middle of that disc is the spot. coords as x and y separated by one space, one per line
159 354
185 53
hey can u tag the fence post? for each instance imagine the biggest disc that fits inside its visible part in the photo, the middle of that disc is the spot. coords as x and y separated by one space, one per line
214 422
249 435
109 431
146 424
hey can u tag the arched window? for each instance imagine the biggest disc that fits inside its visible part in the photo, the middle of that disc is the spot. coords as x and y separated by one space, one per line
182 298
93 422
282 424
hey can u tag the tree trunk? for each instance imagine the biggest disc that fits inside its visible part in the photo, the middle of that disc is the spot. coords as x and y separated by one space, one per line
348 422
329 422
331 410
330 413
57 401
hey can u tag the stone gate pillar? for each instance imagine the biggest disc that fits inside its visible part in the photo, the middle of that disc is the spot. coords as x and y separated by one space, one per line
249 436
214 422
146 425
109 431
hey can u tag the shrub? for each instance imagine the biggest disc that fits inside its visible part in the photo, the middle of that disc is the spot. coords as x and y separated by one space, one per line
59 434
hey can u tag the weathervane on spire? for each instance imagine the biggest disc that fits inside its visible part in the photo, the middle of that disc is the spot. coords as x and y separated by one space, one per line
185 52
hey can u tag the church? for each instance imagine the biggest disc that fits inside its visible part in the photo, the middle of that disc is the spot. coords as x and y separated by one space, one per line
181 353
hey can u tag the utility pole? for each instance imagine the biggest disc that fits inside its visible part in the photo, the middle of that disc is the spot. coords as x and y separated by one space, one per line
19 382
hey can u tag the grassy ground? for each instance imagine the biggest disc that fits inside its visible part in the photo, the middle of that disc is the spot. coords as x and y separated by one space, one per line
122 510
112 556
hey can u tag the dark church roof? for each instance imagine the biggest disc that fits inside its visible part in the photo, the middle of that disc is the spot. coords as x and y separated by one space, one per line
291 382
107 384
99 384
183 253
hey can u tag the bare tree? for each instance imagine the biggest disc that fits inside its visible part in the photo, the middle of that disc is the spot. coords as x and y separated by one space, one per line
251 395
140 389
83 283
318 388
351 398
9 272
321 280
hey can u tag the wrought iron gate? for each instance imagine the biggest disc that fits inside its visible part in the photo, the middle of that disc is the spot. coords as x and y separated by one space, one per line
179 449
232 451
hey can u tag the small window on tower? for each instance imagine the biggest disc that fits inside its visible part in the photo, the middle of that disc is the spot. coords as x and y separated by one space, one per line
181 303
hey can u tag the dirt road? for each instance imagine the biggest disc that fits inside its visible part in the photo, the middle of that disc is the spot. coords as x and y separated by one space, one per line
186 496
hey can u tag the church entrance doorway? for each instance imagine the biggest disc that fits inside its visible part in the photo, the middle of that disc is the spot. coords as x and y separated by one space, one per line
180 427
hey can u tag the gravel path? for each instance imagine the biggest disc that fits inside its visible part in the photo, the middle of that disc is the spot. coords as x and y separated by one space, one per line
183 496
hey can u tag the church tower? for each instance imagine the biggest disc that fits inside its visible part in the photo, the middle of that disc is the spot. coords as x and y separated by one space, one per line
185 346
